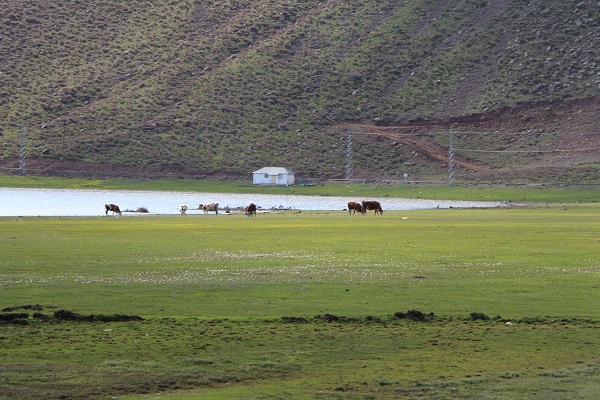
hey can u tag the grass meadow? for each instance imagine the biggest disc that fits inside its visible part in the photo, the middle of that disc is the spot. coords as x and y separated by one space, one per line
305 305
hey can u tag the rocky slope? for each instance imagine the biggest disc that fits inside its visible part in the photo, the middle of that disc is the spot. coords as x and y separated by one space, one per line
223 88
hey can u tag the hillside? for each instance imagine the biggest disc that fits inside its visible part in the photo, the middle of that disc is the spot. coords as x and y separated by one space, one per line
221 88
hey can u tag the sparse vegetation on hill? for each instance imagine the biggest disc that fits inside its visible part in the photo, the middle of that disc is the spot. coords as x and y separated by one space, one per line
224 88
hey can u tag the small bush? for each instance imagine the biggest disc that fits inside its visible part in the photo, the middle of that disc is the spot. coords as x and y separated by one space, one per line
116 318
72 316
13 316
294 319
479 315
414 315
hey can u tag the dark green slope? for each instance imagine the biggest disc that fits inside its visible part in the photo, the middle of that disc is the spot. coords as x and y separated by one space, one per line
231 86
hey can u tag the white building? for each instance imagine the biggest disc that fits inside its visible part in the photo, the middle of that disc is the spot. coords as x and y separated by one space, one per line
273 176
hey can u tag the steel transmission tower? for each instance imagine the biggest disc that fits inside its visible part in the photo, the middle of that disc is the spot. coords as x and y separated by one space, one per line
451 159
22 154
349 157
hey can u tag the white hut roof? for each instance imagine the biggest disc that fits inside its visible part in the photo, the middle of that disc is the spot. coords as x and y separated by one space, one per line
273 171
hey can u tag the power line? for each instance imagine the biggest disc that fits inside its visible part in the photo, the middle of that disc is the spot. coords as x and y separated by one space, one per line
423 137
530 151
390 131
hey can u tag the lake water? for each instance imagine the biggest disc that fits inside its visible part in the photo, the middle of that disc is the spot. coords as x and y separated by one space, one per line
76 202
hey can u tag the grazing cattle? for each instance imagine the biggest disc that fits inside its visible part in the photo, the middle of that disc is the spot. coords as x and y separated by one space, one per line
112 207
372 205
183 209
209 207
354 207
251 210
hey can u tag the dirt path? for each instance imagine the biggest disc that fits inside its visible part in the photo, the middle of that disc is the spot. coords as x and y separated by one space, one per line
423 145
573 125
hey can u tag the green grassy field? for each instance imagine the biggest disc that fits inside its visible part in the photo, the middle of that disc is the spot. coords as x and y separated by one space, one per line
213 291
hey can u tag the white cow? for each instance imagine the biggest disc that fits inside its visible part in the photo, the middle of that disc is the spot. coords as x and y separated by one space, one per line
183 209
209 207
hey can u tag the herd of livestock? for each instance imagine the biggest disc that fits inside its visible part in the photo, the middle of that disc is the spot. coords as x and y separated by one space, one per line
250 210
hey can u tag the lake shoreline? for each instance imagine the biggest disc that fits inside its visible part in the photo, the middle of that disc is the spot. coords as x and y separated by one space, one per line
84 202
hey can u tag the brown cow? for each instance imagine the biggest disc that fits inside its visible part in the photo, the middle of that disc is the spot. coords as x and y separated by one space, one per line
354 207
112 207
251 210
372 205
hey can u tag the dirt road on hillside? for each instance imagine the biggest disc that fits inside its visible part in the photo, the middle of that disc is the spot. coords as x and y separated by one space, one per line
419 143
